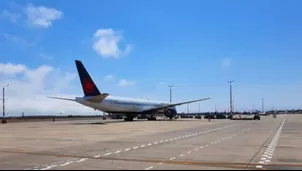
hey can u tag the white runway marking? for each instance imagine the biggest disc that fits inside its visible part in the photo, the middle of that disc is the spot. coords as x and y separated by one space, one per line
117 151
267 156
67 163
81 160
173 158
107 154
49 166
149 168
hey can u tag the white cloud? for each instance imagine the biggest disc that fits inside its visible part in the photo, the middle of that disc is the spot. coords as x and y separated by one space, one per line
29 87
123 83
226 63
13 17
10 69
106 44
109 77
42 16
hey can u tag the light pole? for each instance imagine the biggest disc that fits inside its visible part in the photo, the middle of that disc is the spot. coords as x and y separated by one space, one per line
262 105
170 86
231 105
3 89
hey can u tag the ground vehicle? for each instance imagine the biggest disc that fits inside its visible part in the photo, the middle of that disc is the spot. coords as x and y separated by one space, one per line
209 116
220 116
198 117
230 117
257 117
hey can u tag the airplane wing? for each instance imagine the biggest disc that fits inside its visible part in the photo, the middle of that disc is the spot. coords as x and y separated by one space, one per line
173 104
60 98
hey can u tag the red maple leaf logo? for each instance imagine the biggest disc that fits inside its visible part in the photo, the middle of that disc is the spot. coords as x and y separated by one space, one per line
88 86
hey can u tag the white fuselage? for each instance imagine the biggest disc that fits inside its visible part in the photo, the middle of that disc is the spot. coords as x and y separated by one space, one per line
122 104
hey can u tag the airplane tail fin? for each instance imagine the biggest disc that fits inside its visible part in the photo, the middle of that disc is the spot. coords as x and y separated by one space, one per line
88 86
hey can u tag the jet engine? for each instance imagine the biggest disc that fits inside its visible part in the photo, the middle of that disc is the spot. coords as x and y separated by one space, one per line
170 113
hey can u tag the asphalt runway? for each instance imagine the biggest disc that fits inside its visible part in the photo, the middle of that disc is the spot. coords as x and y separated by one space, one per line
271 143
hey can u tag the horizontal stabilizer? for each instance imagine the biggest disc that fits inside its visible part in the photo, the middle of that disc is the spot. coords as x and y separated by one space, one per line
98 98
60 98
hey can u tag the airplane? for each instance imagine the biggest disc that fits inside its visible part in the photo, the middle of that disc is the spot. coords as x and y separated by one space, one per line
129 107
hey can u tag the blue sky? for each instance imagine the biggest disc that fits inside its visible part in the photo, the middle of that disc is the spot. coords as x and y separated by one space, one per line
195 45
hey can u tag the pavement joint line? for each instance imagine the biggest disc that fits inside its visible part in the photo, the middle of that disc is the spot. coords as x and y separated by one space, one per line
109 153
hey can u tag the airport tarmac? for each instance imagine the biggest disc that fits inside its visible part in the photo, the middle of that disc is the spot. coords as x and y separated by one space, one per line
271 143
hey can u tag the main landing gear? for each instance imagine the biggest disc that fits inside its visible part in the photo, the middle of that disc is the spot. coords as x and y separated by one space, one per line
151 118
128 118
